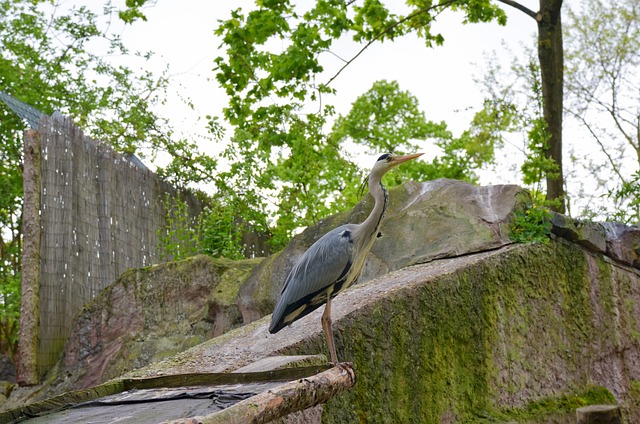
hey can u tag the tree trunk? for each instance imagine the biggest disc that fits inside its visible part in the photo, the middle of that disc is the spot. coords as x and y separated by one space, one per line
551 57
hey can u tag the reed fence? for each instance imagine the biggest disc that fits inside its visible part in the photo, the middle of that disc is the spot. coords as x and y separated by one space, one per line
89 215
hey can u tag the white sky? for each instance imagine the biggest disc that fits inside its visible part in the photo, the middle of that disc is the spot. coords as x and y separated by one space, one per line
442 78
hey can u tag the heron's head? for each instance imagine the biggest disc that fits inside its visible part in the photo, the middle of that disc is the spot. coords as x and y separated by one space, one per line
385 163
389 160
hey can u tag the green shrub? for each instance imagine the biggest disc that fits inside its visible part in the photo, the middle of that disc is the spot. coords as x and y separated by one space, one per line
532 225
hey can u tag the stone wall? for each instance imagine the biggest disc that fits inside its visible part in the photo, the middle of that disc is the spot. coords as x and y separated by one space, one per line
533 332
497 333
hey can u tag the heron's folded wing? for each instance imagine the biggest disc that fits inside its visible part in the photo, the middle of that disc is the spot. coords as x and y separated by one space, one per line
323 264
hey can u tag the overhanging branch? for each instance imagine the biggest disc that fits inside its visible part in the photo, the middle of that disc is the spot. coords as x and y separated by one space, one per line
385 31
520 7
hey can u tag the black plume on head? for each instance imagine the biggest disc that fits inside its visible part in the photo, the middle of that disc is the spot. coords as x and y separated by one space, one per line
385 156
363 186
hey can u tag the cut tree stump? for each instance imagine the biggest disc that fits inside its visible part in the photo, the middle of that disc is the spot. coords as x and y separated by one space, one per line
599 414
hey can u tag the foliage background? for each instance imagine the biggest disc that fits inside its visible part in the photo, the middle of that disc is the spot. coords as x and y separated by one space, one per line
57 60
291 133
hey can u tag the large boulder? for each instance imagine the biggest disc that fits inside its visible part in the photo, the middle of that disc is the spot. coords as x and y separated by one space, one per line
424 221
618 241
152 313
588 234
623 243
523 333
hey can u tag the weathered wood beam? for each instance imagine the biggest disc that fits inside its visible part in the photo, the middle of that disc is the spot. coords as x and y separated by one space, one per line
27 367
283 400
67 400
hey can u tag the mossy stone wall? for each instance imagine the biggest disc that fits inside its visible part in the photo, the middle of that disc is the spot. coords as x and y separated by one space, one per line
526 335
152 313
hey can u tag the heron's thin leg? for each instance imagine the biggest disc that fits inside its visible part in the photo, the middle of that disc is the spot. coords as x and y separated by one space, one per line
328 331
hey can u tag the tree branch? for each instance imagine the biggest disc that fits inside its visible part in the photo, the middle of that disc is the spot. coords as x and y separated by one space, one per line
521 8
603 148
385 31
284 399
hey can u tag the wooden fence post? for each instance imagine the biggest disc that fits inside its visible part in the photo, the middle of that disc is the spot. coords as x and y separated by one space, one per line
27 367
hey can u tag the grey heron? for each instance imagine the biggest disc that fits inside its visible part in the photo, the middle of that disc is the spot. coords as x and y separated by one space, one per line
334 261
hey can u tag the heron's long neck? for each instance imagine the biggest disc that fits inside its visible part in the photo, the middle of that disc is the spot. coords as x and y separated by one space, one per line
371 225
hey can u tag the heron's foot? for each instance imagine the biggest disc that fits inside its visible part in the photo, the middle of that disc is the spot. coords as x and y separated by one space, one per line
341 365
346 367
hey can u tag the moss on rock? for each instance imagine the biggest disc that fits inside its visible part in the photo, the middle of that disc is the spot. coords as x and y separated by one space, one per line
152 313
515 337
560 408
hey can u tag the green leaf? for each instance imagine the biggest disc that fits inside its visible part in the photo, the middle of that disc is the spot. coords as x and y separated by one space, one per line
280 153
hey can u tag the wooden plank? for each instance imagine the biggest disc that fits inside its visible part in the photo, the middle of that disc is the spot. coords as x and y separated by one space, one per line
283 400
69 399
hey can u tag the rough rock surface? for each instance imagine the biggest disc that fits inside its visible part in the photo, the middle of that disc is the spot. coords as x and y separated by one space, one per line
513 326
623 243
424 221
152 313
617 241
588 234
7 369
515 334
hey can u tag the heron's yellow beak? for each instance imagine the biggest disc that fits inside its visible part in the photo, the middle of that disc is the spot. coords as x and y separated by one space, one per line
397 160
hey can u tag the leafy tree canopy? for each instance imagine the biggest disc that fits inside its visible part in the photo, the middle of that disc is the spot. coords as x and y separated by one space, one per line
603 71
55 59
273 74
386 119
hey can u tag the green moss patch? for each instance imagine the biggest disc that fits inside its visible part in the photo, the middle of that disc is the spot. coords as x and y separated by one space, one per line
541 410
512 329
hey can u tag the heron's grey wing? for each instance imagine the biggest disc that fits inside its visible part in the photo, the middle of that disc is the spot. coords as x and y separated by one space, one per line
321 266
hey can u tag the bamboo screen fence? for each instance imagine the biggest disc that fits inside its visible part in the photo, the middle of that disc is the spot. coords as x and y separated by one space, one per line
96 214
